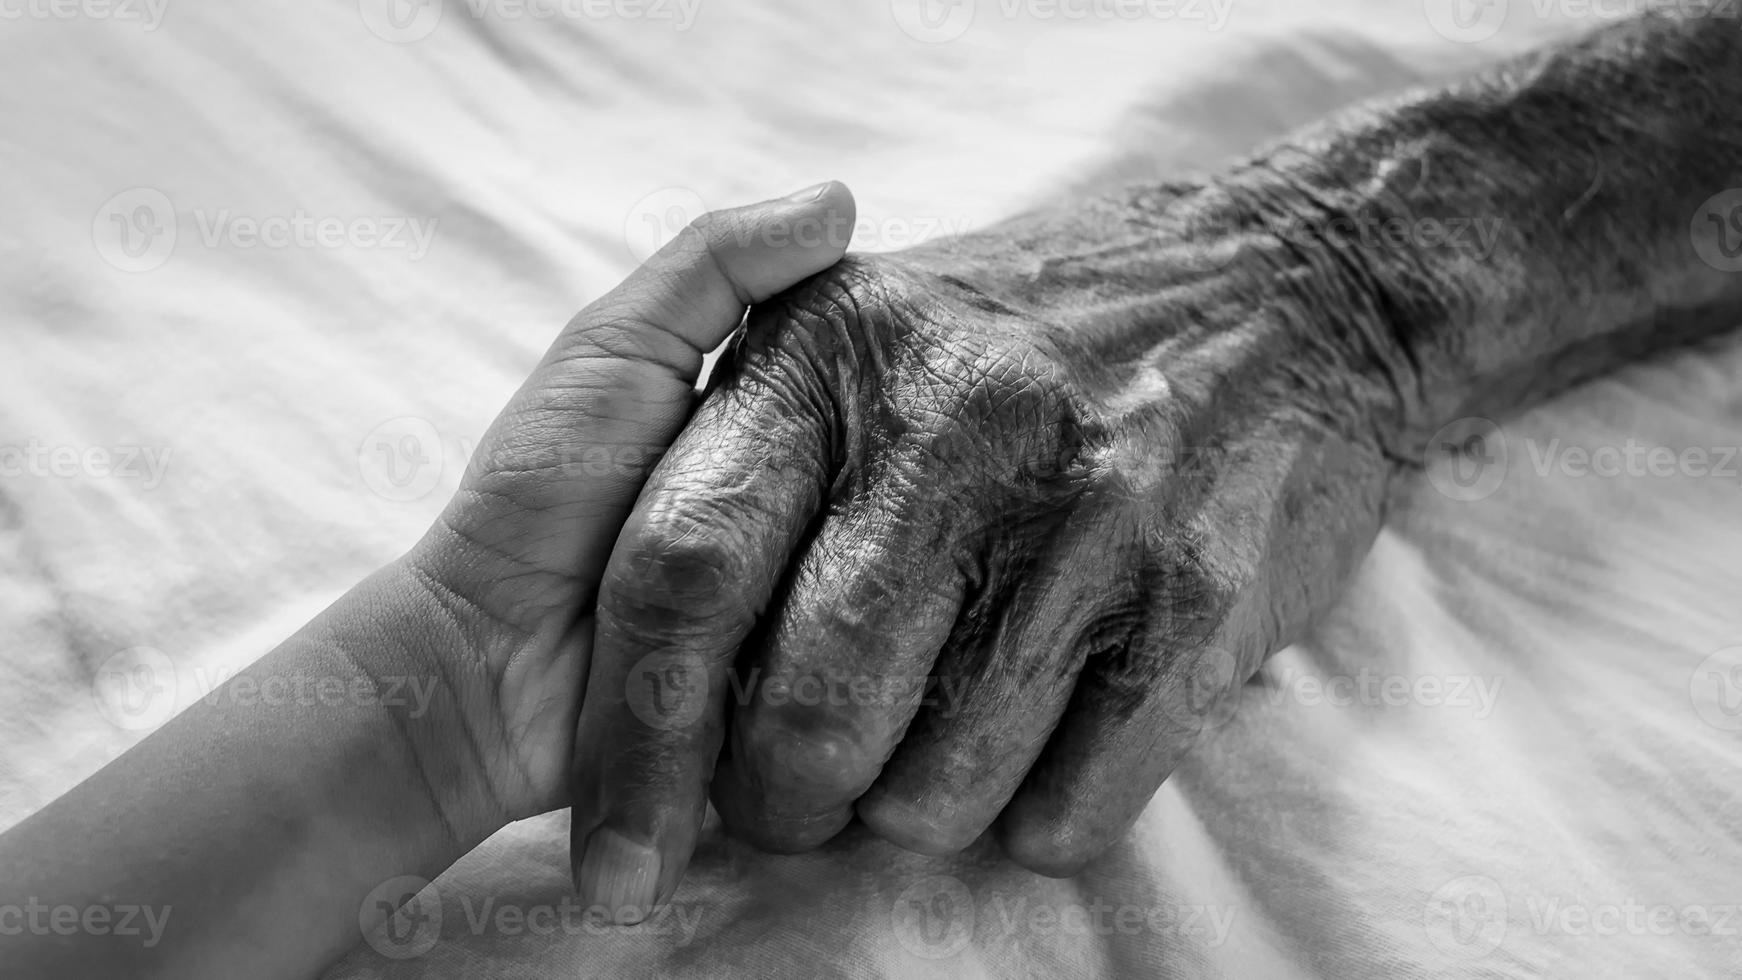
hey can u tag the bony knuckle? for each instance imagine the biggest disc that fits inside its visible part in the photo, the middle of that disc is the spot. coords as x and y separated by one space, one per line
691 569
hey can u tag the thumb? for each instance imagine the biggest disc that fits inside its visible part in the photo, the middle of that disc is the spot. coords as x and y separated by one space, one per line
621 375
691 295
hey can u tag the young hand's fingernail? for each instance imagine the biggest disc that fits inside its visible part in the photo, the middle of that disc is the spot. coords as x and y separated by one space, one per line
619 874
809 194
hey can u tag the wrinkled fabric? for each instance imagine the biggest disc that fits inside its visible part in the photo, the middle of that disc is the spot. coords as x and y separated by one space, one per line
1512 751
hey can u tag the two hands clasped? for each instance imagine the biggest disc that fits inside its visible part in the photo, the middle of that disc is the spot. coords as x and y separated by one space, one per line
763 616
915 559
941 549
976 537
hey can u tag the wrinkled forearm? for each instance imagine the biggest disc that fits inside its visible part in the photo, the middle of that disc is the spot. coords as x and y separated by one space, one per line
1586 169
1461 251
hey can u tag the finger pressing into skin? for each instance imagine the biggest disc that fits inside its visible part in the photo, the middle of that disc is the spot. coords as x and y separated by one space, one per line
1005 685
695 564
844 670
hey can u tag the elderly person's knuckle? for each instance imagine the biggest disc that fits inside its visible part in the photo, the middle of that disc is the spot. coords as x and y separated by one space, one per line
678 564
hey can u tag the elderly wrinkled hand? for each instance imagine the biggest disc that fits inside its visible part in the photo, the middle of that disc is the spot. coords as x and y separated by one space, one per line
972 535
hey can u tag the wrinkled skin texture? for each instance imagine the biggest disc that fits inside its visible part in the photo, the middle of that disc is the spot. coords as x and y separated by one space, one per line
1089 467
989 543
1085 548
1086 469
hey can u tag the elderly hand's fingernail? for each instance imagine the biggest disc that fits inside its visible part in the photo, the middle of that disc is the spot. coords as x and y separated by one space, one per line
809 194
619 874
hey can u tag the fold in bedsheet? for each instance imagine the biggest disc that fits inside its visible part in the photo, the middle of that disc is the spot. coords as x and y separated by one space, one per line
1512 751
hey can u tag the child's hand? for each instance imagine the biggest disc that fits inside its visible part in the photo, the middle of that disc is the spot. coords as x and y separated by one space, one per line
516 557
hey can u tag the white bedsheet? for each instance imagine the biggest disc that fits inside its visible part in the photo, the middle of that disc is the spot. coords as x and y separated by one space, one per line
1534 768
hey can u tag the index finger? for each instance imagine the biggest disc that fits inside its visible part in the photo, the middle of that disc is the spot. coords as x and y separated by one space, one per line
693 567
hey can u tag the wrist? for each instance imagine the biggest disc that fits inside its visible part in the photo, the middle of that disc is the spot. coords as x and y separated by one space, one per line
410 651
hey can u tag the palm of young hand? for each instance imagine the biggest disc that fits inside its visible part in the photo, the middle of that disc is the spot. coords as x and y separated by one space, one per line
514 562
